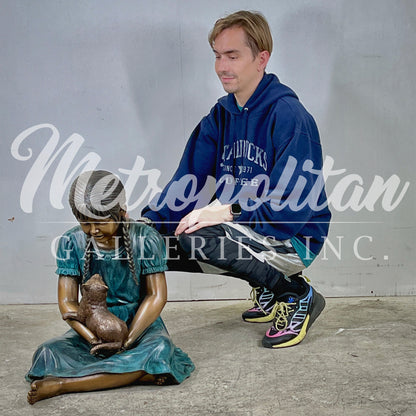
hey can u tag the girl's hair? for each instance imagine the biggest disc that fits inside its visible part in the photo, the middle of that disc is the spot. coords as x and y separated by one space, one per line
99 195
254 25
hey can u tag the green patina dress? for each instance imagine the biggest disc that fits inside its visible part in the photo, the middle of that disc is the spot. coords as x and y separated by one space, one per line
153 352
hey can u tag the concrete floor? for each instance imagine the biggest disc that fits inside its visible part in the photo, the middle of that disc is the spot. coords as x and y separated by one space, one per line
359 358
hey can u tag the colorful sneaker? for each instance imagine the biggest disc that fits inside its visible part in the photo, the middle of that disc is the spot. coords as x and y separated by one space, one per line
294 316
265 305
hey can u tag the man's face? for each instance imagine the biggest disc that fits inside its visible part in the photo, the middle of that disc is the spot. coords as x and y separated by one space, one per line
238 70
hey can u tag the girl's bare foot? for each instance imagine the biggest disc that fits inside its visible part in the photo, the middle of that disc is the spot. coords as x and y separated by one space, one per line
157 379
54 386
161 380
43 389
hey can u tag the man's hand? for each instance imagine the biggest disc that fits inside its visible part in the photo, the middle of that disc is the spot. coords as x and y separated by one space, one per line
204 217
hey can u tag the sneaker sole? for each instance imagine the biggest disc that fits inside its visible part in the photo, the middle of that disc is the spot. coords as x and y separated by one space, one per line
318 306
262 319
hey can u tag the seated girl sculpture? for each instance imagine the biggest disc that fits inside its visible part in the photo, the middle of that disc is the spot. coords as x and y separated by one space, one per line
131 259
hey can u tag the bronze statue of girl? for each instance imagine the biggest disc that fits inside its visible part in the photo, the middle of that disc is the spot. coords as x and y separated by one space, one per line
131 258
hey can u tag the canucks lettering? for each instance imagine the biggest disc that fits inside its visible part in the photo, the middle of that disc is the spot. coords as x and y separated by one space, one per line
245 149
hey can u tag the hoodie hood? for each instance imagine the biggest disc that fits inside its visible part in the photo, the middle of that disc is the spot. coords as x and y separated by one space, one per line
269 90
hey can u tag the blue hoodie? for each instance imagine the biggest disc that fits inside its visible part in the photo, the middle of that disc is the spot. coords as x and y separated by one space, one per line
266 156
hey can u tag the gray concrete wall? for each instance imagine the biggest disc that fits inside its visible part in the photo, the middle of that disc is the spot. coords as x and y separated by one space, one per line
120 86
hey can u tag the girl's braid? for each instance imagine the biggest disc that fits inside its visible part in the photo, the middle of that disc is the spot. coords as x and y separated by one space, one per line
127 245
87 261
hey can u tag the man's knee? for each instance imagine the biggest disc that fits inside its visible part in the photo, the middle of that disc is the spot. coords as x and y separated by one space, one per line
198 243
185 242
193 244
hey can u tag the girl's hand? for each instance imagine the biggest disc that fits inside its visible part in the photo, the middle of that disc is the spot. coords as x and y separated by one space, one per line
126 345
151 307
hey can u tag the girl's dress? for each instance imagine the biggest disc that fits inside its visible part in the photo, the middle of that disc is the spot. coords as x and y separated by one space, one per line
153 352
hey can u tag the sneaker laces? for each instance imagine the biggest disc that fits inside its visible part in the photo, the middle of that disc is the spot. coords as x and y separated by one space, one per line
283 310
255 295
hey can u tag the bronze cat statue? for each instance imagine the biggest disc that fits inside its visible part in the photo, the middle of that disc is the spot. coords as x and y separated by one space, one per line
93 313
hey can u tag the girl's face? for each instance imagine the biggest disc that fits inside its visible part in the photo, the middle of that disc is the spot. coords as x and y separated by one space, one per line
103 231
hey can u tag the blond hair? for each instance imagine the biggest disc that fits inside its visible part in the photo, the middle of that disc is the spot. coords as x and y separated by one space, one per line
254 25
